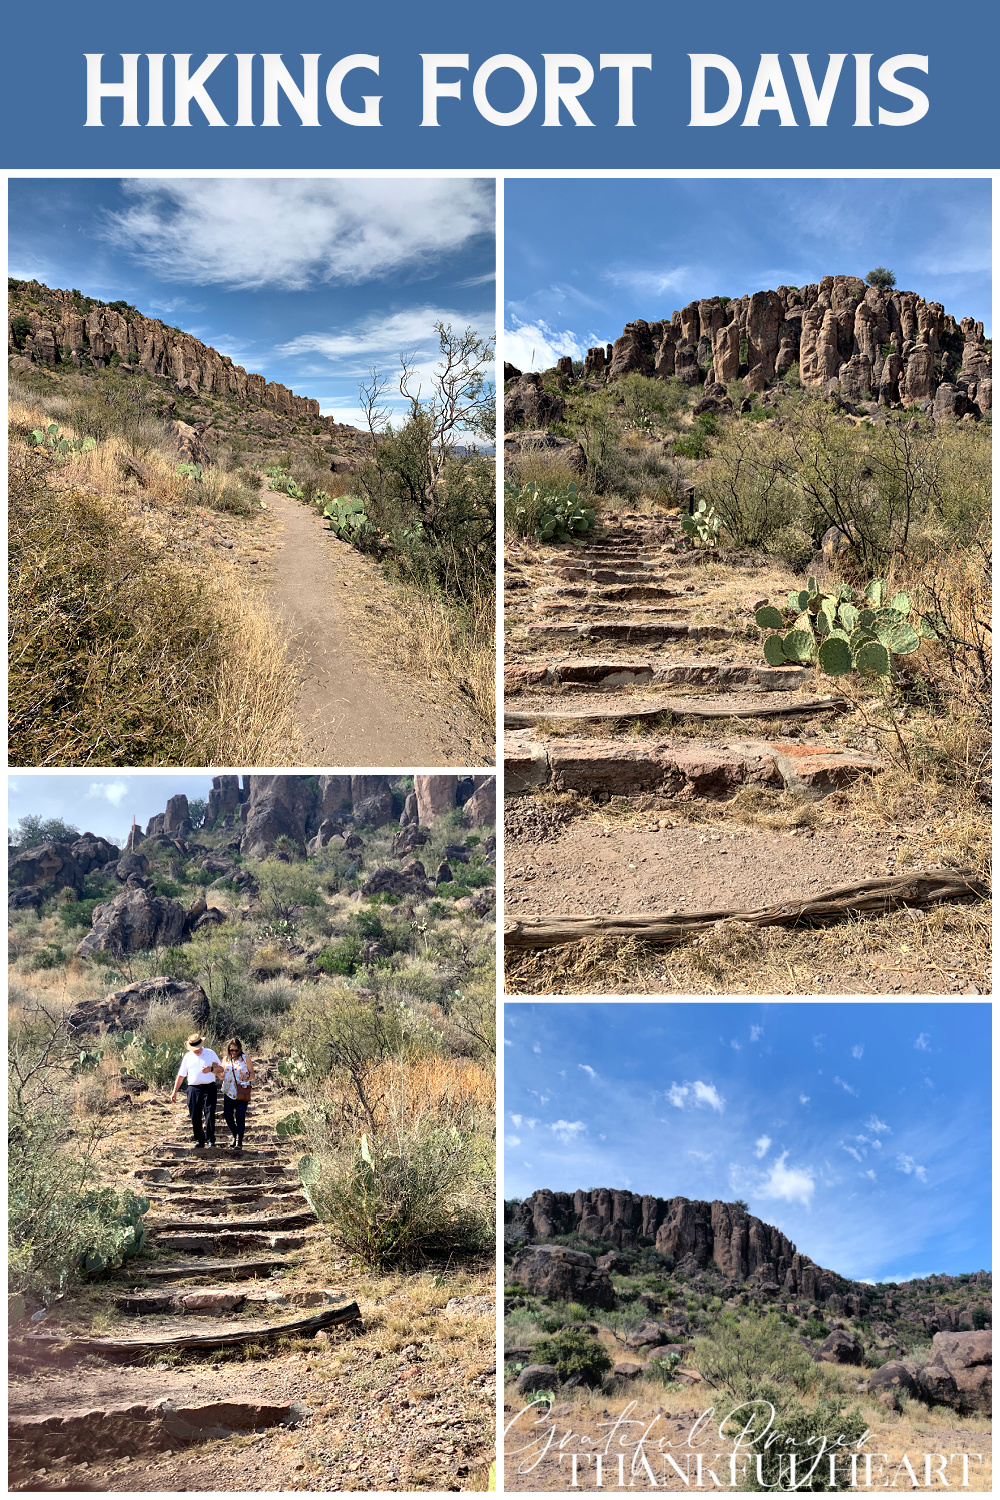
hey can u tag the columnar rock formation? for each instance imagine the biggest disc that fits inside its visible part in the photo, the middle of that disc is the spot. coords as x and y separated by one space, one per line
892 347
696 1234
68 328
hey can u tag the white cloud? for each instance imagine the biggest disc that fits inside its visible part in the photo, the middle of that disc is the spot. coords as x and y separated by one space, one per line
858 1049
567 1130
531 1124
923 1042
909 1166
297 232
114 792
756 1032
878 1126
735 1045
384 336
537 346
677 1094
536 1049
649 283
761 1146
845 1086
803 1098
792 1184
513 1140
517 1120
586 1068
852 1151
702 1156
706 1093
818 1041
869 1174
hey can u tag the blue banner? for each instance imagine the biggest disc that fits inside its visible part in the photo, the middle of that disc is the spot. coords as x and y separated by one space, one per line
223 85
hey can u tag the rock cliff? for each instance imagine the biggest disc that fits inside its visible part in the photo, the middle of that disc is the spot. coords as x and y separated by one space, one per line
52 327
866 343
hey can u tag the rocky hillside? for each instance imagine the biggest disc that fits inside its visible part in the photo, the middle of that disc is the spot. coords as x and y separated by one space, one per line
862 342
721 1249
65 330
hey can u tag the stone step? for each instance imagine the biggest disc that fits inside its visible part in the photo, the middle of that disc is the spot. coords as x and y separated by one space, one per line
184 1337
631 712
209 1153
686 769
235 1192
617 593
631 634
650 574
246 1269
604 673
298 1220
89 1433
596 609
218 1301
222 1242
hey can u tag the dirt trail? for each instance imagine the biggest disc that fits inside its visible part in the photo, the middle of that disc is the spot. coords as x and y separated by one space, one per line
104 1395
352 710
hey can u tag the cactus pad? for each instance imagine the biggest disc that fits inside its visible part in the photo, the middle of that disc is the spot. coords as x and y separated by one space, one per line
774 651
873 659
799 645
835 656
769 618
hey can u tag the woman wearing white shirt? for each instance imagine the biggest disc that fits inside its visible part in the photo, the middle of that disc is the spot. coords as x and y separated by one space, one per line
237 1079
201 1067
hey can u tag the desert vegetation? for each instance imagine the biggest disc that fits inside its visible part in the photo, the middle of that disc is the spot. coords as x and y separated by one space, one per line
846 538
371 1020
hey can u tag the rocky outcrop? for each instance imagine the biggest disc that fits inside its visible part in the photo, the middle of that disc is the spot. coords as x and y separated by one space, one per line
371 800
840 1348
481 809
35 874
742 1247
127 1009
569 1275
435 795
68 329
224 799
411 880
278 807
563 450
875 344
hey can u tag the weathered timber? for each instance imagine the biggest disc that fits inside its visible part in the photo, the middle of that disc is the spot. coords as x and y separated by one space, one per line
230 1338
864 898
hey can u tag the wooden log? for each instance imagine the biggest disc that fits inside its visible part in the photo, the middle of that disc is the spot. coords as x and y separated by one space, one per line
232 1338
863 898
681 708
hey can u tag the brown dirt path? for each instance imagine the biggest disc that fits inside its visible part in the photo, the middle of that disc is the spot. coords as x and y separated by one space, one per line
352 711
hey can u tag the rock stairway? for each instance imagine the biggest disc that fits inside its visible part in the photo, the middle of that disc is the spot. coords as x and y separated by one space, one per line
227 1232
628 588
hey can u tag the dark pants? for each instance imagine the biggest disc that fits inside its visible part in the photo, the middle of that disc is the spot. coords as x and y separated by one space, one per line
235 1111
201 1102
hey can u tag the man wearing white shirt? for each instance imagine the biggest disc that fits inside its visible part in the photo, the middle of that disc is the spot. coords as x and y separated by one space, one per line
201 1067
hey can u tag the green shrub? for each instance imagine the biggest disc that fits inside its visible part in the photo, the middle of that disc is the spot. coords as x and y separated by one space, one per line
809 1437
574 1353
343 957
740 1355
404 1197
52 956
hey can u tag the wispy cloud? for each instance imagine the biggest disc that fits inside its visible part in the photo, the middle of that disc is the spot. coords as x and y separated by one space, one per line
114 792
858 1049
537 346
790 1184
756 1032
910 1167
845 1086
879 1126
567 1130
923 1042
803 1098
295 233
761 1146
696 1095
586 1068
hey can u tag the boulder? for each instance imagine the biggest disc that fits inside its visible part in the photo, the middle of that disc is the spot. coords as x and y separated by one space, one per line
840 1348
950 403
26 897
371 799
409 881
277 807
189 446
327 829
536 1378
627 1370
527 404
897 1376
568 1275
224 799
959 1373
134 921
334 796
613 1261
126 1009
92 852
131 864
565 450
176 817
435 795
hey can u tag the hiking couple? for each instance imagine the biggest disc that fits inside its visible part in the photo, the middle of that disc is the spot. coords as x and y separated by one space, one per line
203 1071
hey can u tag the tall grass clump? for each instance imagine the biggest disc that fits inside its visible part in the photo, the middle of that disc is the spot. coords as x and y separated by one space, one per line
118 655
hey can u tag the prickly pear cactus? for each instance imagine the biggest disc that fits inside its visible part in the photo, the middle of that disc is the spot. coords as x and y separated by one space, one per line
840 634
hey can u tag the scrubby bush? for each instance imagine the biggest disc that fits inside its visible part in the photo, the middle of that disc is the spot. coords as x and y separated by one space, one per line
740 1355
574 1352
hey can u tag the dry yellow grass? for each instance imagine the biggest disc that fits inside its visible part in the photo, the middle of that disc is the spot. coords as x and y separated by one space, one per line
120 652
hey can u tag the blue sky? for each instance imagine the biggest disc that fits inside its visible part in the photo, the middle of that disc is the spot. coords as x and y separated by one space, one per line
860 1130
98 801
584 257
306 281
